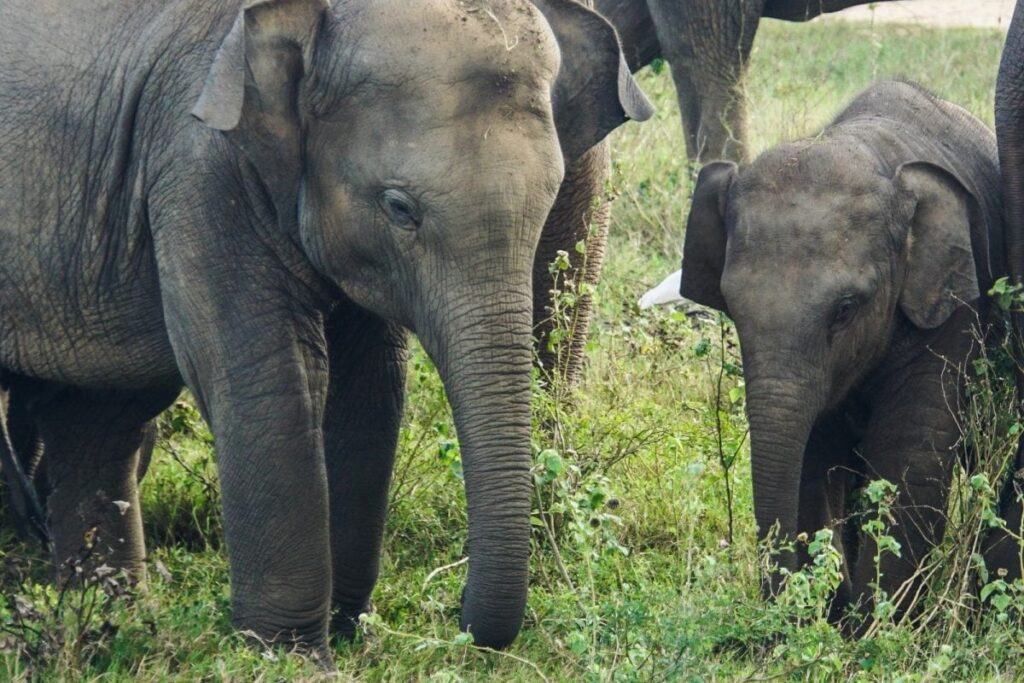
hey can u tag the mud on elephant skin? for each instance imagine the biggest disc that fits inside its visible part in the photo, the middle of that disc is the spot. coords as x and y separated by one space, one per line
707 45
265 197
852 264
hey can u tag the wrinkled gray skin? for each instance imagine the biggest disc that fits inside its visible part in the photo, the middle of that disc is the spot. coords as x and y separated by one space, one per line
850 263
578 207
707 44
581 212
1003 550
254 201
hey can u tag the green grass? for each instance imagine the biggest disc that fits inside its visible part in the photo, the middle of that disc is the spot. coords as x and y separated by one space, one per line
645 584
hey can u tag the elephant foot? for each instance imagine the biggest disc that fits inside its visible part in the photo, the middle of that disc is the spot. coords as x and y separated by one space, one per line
345 625
314 648
323 657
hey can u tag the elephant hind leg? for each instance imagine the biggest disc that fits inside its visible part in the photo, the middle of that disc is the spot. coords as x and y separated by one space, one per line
20 461
92 443
24 435
21 499
149 436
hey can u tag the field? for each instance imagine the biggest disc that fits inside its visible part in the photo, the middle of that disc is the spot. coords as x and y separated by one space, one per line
645 565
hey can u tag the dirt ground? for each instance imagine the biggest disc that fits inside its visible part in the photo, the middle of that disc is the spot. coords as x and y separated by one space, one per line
980 13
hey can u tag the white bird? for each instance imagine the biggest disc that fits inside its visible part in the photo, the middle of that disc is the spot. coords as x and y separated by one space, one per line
665 293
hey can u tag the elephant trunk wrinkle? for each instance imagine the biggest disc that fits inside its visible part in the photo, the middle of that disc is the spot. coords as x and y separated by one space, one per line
484 355
780 424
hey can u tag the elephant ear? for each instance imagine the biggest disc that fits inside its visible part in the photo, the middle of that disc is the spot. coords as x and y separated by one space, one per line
941 268
595 92
251 91
704 248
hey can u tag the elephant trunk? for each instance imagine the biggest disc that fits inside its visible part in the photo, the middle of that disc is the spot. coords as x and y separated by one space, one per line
1010 132
1010 127
781 414
485 358
1001 549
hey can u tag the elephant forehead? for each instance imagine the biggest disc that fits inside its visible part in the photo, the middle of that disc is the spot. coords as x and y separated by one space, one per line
454 41
832 167
815 225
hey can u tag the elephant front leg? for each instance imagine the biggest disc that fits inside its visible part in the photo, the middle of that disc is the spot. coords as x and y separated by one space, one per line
361 424
910 442
256 361
722 131
917 524
708 45
580 213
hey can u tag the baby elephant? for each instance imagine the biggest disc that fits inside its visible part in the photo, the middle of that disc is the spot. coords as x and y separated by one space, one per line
853 264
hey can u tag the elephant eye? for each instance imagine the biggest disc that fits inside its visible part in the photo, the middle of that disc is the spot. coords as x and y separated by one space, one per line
844 313
401 209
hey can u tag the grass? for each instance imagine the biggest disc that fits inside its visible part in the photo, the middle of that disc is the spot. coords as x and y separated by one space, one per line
634 573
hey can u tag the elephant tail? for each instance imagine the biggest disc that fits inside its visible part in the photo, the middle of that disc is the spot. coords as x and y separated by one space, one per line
26 510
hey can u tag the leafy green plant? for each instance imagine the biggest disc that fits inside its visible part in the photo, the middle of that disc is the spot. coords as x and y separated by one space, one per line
71 622
637 446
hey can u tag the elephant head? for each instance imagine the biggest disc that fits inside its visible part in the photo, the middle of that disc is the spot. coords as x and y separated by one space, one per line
413 149
815 255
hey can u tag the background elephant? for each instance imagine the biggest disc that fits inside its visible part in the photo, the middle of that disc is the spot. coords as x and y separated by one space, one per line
1010 135
850 263
254 200
581 213
707 44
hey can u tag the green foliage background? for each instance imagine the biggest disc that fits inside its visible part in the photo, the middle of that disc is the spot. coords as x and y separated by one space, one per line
633 573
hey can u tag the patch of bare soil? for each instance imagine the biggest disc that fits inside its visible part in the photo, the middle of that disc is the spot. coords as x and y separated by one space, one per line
977 13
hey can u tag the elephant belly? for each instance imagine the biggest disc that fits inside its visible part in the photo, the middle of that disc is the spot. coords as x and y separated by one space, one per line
79 293
78 309
115 350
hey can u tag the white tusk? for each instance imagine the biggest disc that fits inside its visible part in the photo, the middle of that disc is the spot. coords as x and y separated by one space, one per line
665 293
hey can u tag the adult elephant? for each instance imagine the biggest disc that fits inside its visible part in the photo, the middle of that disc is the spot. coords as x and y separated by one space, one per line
581 213
707 44
1004 545
253 200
